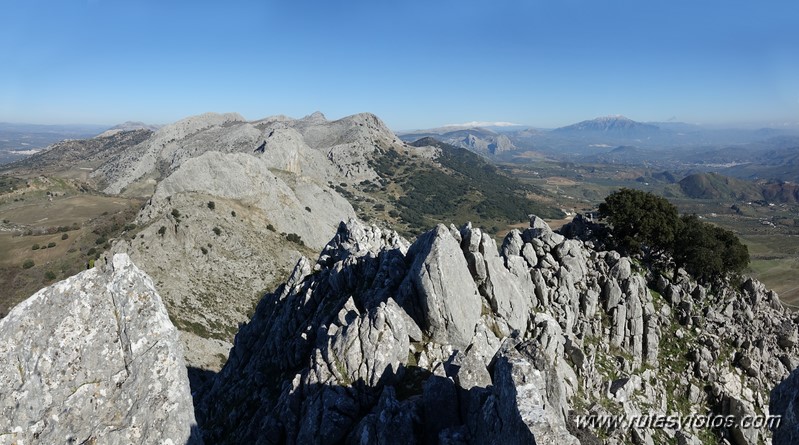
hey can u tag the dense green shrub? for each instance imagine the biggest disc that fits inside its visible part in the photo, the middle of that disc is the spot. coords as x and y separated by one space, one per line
28 264
211 205
217 231
640 219
35 247
64 236
645 223
707 251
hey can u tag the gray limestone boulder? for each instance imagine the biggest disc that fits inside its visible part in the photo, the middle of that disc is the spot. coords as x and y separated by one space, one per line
444 289
94 359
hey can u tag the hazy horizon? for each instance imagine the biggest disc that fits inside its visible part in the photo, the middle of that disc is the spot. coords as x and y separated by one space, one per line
473 124
416 65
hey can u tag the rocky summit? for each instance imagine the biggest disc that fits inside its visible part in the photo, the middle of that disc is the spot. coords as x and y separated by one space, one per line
451 339
94 359
454 340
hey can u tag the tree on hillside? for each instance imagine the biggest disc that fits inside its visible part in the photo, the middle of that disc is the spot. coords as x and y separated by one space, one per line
707 251
640 220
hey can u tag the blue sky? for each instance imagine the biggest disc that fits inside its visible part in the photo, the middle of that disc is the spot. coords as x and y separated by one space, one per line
415 64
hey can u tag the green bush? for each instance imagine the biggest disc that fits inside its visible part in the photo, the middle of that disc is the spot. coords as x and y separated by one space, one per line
217 231
101 240
64 236
645 223
162 230
176 213
233 213
211 205
35 247
706 251
91 251
28 264
270 227
51 244
49 275
204 250
640 220
294 238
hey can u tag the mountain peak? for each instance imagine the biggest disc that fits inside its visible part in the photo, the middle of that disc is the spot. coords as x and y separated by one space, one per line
315 116
617 124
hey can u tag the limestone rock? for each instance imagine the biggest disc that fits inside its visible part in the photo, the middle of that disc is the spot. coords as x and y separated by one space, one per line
94 358
443 287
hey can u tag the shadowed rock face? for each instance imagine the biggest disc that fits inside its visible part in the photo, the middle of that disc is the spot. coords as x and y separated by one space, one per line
452 340
94 359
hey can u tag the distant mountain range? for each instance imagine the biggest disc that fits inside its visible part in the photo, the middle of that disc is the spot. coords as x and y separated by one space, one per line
480 140
765 153
613 126
20 140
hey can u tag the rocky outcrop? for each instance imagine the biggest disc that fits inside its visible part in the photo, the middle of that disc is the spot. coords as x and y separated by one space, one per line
312 146
246 179
446 340
94 359
276 189
452 340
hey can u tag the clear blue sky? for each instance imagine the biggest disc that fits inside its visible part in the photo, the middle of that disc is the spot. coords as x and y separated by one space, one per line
415 64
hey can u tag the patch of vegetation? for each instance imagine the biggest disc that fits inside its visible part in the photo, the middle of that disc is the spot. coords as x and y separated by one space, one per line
49 275
644 223
162 230
271 228
233 213
211 205
35 247
27 264
464 187
64 236
707 251
51 244
640 219
217 231
175 213
204 250
294 238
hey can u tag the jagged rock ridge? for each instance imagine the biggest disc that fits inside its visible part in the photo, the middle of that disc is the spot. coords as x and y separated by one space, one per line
378 342
270 182
94 359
